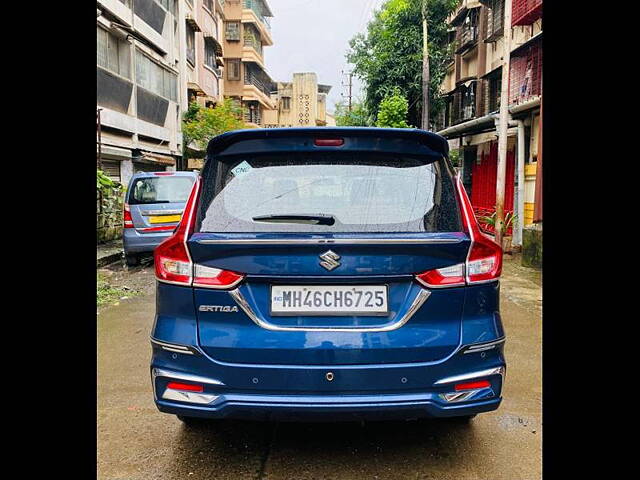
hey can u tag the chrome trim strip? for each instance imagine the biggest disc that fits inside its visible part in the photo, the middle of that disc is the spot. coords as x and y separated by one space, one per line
171 282
417 303
173 347
218 287
159 372
329 241
479 347
471 375
190 397
458 396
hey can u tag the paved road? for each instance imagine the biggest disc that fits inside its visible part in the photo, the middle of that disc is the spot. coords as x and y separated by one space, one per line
135 441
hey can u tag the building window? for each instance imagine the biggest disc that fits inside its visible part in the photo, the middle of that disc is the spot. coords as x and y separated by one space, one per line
209 55
233 69
114 54
495 83
209 5
286 103
232 30
469 101
191 45
495 20
152 77
169 5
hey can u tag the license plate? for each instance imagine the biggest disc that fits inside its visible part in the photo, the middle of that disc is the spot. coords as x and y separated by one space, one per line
164 218
329 300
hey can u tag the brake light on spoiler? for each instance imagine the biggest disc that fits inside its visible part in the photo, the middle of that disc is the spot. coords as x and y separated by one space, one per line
484 260
173 263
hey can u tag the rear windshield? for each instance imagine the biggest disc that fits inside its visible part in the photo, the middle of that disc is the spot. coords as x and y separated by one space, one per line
161 189
334 193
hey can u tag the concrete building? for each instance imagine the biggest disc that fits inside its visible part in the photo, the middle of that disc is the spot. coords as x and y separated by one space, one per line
152 55
204 21
246 32
299 103
138 86
472 87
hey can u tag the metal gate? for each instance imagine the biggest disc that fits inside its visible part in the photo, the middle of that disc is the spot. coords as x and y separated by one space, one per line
483 183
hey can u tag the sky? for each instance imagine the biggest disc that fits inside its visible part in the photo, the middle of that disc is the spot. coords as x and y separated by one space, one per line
313 36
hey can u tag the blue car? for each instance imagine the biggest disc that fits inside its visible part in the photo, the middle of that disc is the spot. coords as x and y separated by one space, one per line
152 210
327 274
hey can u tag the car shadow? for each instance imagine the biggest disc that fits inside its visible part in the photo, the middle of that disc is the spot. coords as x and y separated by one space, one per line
241 449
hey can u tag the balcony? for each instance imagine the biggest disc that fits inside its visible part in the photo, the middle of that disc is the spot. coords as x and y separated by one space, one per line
525 77
256 12
466 37
525 12
252 114
495 20
467 31
252 39
463 107
257 85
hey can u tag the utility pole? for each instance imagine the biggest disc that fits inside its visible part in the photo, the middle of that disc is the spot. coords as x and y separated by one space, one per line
350 85
425 68
99 140
503 123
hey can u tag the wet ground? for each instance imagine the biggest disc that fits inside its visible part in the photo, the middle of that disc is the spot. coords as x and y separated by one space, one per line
135 441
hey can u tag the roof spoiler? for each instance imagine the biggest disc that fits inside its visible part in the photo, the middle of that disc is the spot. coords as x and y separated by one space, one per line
273 140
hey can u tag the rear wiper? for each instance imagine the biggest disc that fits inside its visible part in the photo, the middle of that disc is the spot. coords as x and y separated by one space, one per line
318 219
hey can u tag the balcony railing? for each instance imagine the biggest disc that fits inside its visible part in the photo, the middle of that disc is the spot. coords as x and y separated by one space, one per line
525 76
463 107
257 78
252 113
525 12
252 39
466 37
259 9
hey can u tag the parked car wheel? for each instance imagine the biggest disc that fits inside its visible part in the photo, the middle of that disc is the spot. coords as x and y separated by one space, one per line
132 260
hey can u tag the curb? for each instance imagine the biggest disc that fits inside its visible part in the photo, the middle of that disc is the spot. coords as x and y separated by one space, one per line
109 259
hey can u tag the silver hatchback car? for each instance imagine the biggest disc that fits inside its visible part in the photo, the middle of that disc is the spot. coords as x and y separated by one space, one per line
152 210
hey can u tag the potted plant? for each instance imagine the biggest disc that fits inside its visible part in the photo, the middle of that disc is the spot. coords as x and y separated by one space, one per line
506 224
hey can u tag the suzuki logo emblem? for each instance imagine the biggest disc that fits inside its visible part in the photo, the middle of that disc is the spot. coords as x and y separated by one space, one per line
330 260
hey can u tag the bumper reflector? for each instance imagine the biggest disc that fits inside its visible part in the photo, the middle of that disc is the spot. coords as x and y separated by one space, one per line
185 386
472 385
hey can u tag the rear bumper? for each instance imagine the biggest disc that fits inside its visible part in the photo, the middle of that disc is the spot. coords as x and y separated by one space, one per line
135 242
321 408
285 396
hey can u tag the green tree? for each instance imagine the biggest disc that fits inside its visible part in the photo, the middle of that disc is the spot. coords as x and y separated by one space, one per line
389 55
393 111
357 117
200 124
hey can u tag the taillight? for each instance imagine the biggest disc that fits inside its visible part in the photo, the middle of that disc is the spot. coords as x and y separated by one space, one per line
484 260
173 263
172 260
210 277
328 142
443 277
128 221
160 174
